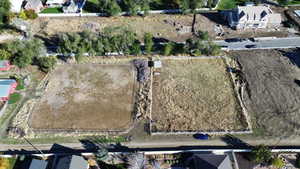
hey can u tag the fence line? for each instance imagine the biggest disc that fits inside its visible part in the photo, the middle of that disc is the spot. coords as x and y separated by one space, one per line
165 11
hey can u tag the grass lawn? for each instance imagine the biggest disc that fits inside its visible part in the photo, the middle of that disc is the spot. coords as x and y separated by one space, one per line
226 4
14 98
296 2
52 10
12 162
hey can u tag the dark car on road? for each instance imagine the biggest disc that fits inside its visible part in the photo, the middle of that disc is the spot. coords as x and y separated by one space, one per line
251 46
235 40
200 136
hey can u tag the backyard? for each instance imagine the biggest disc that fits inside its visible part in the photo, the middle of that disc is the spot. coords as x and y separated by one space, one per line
195 95
87 97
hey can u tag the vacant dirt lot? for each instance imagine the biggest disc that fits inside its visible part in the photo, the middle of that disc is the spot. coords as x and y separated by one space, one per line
87 97
172 27
195 95
272 96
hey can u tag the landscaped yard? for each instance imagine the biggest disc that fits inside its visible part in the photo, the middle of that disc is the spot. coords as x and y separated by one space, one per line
195 95
52 10
87 97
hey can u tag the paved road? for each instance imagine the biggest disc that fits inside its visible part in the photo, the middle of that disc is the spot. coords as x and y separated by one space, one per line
289 42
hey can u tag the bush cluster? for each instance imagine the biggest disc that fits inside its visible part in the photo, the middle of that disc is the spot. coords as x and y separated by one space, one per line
112 40
4 12
24 53
115 7
28 14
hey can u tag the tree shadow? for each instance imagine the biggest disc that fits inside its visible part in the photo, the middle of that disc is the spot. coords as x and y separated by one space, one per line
91 7
297 82
233 141
215 17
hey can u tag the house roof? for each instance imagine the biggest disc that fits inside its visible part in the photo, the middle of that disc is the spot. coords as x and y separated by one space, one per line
210 161
55 1
72 162
38 164
33 4
3 63
16 5
5 85
253 12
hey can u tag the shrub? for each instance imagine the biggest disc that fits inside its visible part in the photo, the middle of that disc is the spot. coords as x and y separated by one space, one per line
23 52
261 154
4 55
46 63
203 35
4 163
148 42
110 7
4 11
136 48
277 162
23 15
168 48
30 14
14 98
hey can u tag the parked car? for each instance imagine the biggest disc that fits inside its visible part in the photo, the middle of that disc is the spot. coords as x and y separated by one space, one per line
200 136
235 40
251 46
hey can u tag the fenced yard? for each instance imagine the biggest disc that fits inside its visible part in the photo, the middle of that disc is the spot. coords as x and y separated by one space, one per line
87 97
195 95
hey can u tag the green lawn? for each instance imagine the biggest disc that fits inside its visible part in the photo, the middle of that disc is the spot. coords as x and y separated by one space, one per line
226 4
12 162
14 98
295 2
52 10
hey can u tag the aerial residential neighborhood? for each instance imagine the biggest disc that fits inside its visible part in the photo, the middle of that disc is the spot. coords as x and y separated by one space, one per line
149 84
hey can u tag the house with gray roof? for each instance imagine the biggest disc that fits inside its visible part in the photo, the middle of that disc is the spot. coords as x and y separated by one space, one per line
208 161
244 17
72 162
38 164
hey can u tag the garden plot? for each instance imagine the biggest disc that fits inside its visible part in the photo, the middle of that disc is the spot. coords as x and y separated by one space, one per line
272 94
87 97
193 95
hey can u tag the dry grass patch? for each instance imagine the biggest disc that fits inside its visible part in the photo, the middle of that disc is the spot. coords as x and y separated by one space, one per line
195 95
87 97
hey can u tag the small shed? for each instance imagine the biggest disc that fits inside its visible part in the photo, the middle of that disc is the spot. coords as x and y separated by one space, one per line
38 164
155 64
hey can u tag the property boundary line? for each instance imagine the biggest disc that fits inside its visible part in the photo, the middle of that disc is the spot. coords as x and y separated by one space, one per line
43 86
246 131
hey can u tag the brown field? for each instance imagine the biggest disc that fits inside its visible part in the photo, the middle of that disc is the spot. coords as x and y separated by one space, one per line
272 94
171 27
87 97
195 95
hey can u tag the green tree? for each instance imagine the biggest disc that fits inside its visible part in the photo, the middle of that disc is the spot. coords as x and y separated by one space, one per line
136 48
4 55
168 48
277 162
203 35
4 11
261 154
110 7
23 52
46 63
148 42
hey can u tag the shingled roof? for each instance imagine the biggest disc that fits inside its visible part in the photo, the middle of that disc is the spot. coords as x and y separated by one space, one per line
209 161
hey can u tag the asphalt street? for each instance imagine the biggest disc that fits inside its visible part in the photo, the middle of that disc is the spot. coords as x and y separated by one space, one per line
261 43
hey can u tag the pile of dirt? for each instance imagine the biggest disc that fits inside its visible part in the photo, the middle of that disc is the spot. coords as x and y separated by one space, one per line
272 94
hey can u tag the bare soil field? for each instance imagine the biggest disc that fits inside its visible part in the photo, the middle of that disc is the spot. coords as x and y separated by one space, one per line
272 94
171 27
195 95
87 97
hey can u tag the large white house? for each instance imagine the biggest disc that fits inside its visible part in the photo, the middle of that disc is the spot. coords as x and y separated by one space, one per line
244 17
